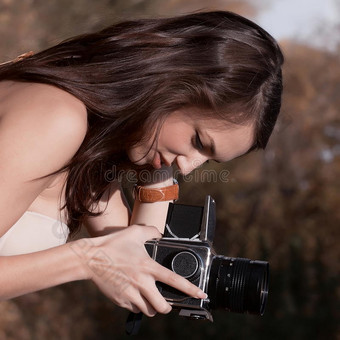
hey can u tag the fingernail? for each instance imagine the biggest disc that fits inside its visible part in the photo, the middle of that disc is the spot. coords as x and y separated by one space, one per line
202 295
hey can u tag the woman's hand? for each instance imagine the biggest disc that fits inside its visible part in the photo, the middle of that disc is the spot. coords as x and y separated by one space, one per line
122 269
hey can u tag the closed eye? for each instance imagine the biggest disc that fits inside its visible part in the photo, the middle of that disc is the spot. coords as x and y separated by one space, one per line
198 143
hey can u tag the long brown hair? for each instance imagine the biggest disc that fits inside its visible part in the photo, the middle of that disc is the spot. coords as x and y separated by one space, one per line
131 75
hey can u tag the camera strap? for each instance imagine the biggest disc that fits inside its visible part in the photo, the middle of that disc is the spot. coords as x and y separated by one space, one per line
133 323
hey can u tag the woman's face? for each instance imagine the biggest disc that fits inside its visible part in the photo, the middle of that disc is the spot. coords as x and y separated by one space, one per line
189 141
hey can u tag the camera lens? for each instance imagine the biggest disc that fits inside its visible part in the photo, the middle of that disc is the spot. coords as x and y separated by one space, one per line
238 285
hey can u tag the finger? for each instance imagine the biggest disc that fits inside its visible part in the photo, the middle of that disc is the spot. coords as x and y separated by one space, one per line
145 233
144 306
155 298
134 309
172 279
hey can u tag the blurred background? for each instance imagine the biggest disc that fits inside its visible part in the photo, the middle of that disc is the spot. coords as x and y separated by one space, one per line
281 205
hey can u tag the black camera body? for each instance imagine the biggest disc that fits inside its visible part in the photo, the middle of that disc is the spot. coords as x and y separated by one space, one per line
235 284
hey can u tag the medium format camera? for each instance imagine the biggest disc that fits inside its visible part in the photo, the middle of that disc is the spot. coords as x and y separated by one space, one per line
235 284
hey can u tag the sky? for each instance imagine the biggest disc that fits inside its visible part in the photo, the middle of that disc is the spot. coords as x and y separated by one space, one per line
310 21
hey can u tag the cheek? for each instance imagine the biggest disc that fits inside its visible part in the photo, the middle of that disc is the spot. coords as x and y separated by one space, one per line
138 152
132 154
167 136
175 137
174 143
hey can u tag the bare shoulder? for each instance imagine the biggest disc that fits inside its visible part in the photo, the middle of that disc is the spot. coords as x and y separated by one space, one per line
40 122
40 103
41 129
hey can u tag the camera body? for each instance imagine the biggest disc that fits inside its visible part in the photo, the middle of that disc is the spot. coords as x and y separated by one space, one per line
235 284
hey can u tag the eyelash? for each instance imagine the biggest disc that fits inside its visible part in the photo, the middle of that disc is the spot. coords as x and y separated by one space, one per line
198 143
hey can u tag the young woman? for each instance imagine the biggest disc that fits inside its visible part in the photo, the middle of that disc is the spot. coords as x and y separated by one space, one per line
139 94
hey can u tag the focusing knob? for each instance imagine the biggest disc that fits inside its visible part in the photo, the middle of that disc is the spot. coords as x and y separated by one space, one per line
184 264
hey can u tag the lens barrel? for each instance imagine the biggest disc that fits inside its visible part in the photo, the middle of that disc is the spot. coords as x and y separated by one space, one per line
238 285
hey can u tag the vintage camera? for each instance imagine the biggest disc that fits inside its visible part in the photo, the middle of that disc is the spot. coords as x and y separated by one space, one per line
235 284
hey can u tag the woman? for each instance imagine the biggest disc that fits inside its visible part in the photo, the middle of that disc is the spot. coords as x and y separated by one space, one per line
146 93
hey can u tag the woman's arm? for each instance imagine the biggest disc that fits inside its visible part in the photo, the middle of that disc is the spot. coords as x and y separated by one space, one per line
153 213
117 263
22 274
116 211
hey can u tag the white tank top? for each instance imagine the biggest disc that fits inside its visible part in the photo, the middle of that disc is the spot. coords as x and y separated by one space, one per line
31 233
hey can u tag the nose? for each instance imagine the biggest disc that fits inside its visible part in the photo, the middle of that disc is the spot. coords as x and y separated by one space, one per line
188 164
